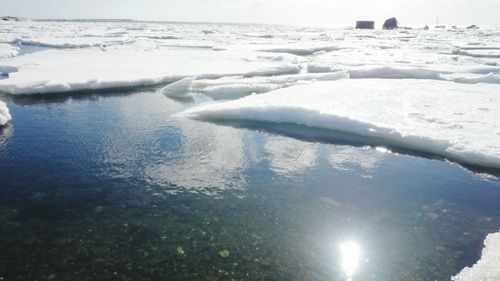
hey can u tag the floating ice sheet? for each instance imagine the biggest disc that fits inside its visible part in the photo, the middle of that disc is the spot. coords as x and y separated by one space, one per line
237 87
4 114
136 52
56 71
488 267
421 115
468 75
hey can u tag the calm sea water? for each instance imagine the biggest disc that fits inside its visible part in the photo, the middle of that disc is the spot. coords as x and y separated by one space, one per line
120 187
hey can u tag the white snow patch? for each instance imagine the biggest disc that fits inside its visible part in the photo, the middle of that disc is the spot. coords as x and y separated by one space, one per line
179 88
55 71
423 115
237 87
488 267
4 114
8 50
72 42
465 75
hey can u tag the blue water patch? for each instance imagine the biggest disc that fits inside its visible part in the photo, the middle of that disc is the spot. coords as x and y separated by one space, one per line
118 186
30 49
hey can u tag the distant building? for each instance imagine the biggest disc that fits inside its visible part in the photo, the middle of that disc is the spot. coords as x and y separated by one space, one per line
391 23
365 24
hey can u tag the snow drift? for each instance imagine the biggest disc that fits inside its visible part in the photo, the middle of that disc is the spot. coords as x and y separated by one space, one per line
421 115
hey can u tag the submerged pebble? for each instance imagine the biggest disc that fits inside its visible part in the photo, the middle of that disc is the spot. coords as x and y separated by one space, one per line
180 251
224 253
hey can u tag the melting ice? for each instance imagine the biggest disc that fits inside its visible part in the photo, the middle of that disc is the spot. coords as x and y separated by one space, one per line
4 114
338 79
487 268
457 121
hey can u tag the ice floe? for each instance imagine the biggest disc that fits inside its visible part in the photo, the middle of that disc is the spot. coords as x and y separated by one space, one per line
8 50
4 114
237 87
56 71
488 267
169 50
479 53
490 78
387 72
300 50
466 75
421 115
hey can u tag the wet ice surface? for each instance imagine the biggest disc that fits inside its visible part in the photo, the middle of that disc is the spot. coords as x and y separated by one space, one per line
103 176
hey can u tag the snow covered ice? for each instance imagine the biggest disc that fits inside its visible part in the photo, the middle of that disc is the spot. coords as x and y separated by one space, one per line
54 71
362 82
54 57
4 114
427 116
237 87
435 92
8 50
487 268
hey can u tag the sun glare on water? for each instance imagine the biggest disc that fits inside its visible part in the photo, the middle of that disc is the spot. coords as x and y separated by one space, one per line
350 254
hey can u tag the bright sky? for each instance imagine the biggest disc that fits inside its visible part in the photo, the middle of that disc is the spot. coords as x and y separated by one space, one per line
264 11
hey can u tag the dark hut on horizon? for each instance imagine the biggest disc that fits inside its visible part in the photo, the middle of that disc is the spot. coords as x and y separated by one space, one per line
391 23
365 24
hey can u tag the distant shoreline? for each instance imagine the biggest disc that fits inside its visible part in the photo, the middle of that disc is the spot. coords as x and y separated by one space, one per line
332 24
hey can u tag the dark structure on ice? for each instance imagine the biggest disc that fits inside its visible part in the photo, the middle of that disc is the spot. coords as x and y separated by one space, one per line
473 27
363 24
9 18
391 23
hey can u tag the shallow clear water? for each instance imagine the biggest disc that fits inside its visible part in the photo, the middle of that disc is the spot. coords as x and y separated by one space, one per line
119 187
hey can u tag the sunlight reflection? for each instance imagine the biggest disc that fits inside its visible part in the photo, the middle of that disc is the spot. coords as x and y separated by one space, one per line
382 149
351 254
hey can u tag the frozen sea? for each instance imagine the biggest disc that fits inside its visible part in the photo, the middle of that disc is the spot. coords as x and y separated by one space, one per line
189 151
